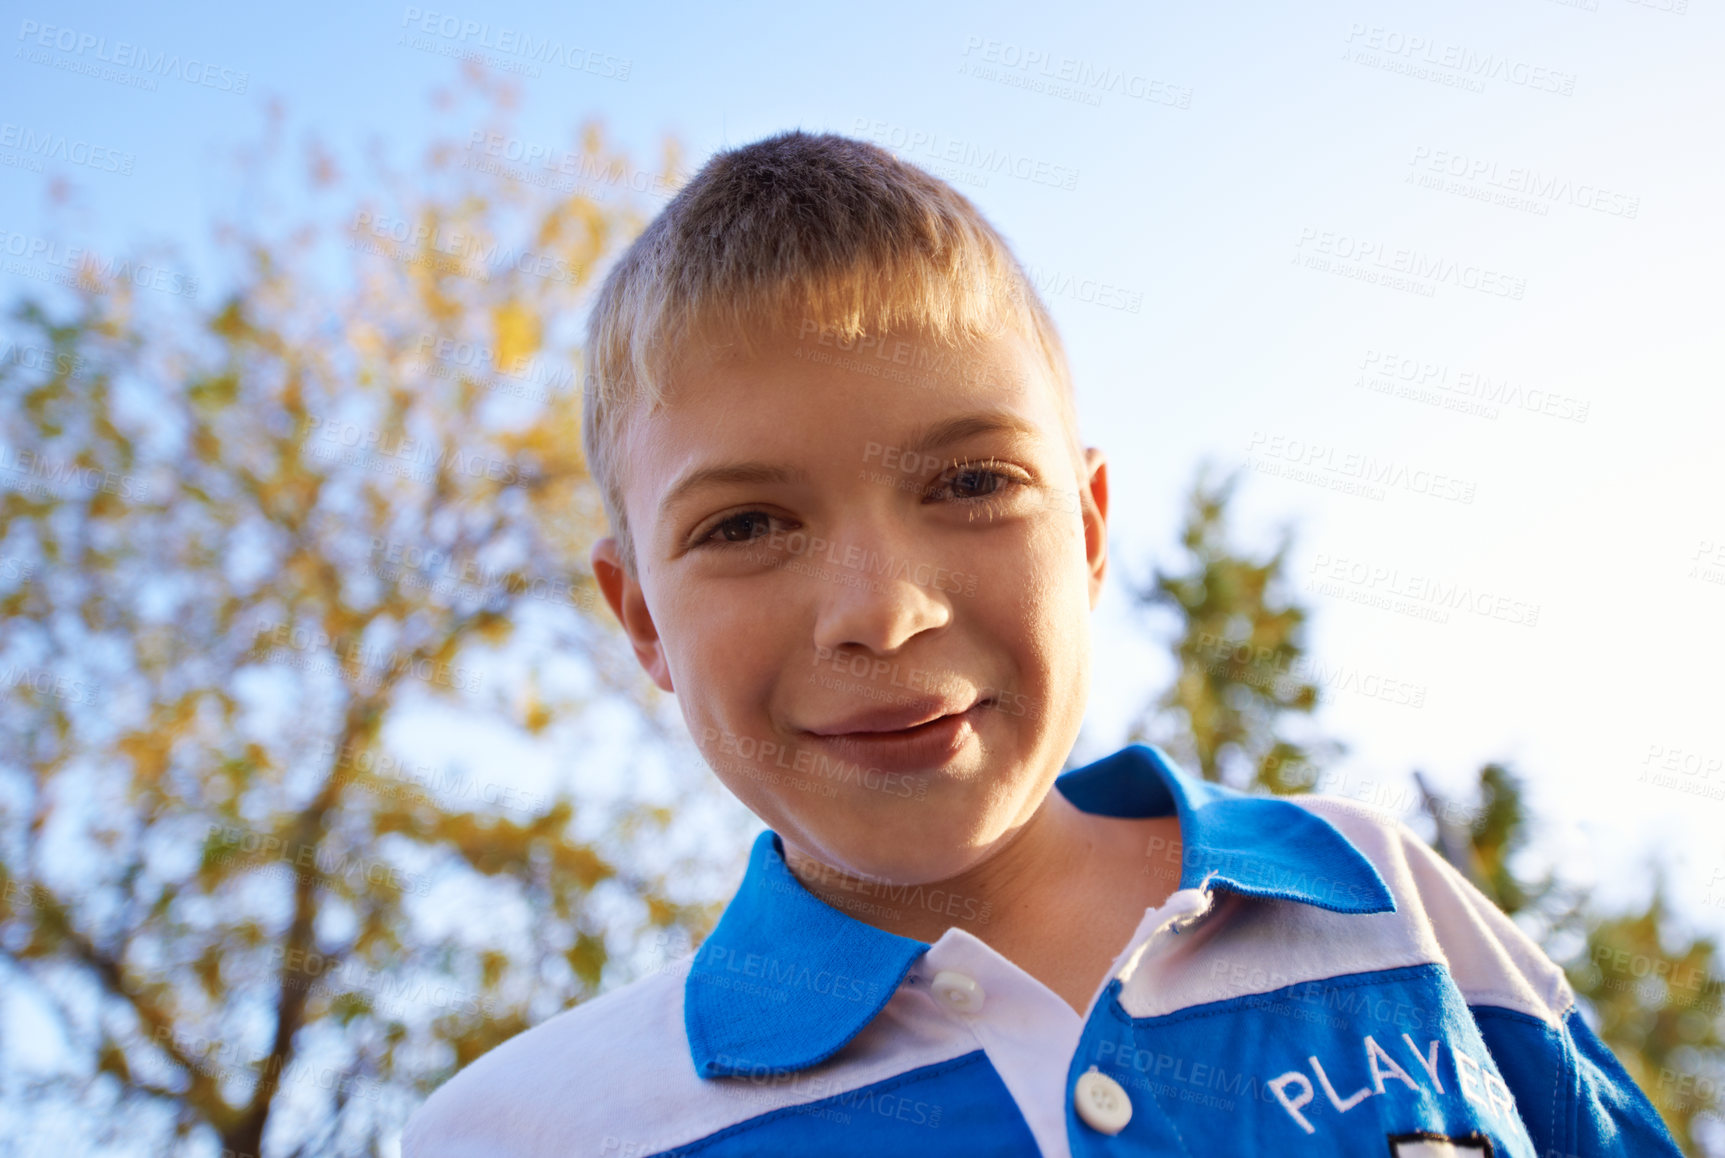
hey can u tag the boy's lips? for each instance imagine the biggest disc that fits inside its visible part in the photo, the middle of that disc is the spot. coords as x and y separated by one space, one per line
896 718
904 738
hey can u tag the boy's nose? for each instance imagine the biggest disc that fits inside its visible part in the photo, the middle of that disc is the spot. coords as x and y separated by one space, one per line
878 606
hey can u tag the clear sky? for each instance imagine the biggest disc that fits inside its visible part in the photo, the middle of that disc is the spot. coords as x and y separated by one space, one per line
1442 276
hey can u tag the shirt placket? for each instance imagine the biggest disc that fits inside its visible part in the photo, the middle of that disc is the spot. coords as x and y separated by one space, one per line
1030 1034
1101 1106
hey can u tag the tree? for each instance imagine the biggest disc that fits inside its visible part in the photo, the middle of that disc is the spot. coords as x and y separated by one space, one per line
1240 648
247 550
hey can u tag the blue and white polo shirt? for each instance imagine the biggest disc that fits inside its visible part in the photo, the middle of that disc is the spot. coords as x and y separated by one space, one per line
1321 983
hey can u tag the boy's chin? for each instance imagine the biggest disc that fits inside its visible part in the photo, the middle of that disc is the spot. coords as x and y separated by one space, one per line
917 843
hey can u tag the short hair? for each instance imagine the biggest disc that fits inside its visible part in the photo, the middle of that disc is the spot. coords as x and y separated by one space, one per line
822 228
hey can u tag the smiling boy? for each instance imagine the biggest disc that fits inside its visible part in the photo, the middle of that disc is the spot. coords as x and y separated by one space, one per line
858 537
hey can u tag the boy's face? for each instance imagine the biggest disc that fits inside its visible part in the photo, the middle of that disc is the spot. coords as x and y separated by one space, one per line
871 594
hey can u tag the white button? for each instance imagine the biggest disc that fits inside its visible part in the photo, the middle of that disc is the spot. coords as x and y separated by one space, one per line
958 991
1101 1102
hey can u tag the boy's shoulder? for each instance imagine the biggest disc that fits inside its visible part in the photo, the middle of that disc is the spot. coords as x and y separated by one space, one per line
1440 911
564 1086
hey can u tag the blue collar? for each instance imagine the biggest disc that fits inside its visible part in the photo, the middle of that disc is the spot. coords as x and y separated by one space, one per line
785 980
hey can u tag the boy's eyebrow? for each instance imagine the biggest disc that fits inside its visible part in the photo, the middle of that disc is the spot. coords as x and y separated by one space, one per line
943 433
952 430
736 472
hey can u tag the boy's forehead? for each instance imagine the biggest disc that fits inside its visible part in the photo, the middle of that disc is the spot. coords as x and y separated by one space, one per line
912 351
929 393
910 368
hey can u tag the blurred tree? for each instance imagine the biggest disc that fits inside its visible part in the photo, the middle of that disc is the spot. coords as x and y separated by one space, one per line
1241 667
247 550
1493 834
1241 656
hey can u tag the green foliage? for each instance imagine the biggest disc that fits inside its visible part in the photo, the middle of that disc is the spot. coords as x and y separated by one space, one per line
1241 655
1498 833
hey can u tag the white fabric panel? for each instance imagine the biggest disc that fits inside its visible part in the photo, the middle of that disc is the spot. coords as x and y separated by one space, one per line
1249 946
1028 1030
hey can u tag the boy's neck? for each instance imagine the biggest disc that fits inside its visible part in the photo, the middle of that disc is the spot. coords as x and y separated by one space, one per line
1059 900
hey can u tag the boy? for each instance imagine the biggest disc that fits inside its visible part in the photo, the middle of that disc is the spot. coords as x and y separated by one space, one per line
857 535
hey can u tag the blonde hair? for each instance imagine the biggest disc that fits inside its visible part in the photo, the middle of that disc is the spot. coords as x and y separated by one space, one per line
835 232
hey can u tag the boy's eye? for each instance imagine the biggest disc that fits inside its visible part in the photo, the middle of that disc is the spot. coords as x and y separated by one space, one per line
976 482
738 528
976 479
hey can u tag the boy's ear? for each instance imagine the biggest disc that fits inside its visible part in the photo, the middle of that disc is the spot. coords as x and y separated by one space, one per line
629 604
1093 503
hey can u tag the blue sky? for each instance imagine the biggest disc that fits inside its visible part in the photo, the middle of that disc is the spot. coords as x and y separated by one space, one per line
1443 277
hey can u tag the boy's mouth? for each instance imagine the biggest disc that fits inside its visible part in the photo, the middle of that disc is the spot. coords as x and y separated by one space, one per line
903 738
897 719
